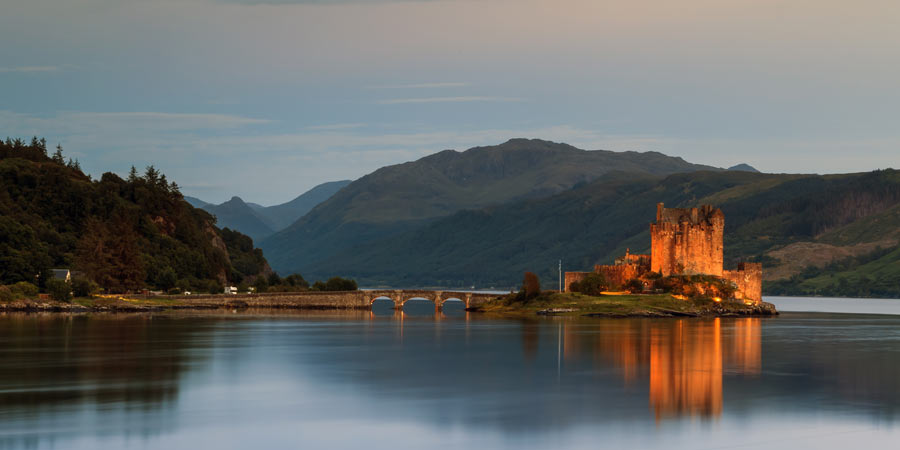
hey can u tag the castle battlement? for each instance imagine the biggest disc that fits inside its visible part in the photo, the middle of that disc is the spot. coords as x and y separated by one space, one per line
684 241
687 241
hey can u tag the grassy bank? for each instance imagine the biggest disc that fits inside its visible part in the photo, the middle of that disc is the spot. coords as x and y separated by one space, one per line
657 305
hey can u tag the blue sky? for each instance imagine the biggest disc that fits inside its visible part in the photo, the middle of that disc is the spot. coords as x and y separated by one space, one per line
265 99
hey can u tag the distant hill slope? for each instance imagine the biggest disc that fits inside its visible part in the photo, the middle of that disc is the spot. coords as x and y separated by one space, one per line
402 197
125 234
195 202
237 215
281 216
259 221
818 229
743 168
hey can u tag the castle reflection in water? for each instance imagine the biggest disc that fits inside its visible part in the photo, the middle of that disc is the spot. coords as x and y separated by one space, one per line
684 360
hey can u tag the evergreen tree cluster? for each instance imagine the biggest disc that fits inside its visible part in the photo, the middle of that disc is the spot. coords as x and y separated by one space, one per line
123 234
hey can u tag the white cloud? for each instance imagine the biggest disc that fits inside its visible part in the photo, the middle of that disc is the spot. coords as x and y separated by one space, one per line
335 126
460 99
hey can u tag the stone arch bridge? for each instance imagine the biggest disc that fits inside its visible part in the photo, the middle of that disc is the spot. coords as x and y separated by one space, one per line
400 297
362 299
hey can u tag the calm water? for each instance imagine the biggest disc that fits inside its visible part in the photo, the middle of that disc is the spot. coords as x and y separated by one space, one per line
260 380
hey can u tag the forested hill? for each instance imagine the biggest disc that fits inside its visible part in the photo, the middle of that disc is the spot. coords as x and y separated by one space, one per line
125 234
816 235
401 197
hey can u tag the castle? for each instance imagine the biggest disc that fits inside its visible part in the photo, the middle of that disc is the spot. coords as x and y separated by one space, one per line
683 241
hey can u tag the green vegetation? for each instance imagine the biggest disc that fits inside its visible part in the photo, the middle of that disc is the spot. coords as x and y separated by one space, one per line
335 284
595 223
659 305
876 274
401 198
123 234
593 284
59 290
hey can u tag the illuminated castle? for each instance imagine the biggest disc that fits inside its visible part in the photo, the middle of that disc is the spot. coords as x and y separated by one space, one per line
683 241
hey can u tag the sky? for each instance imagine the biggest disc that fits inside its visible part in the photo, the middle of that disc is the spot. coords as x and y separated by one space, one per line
265 99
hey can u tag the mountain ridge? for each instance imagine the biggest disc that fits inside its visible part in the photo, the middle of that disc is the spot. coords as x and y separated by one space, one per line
401 197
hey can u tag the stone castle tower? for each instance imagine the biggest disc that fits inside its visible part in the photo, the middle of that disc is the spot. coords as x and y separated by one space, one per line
684 241
687 241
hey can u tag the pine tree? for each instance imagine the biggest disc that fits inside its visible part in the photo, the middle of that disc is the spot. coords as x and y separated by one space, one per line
132 175
58 156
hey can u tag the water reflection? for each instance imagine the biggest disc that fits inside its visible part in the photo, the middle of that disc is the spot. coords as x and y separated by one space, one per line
684 359
257 377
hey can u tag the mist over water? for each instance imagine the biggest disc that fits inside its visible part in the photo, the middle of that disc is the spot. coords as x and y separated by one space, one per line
416 379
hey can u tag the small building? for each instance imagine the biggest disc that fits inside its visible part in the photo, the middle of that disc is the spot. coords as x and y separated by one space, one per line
231 290
62 274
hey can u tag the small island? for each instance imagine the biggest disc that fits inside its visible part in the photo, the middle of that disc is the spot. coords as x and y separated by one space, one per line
682 276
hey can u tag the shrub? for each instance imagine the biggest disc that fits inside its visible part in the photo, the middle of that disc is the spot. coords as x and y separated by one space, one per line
84 287
531 285
25 289
214 287
336 284
175 291
261 284
593 284
634 286
59 290
296 280
6 294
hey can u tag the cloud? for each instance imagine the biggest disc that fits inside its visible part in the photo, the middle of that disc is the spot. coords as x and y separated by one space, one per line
459 99
335 126
422 86
29 69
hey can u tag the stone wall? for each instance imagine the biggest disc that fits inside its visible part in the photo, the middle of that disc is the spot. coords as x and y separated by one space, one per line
687 241
618 275
748 279
573 277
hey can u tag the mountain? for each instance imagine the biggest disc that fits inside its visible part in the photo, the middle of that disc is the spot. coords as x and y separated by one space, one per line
743 168
237 215
281 216
816 235
195 202
125 234
402 197
259 221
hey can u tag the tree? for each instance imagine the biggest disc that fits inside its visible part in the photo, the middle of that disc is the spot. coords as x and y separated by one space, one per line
261 284
531 285
336 284
593 284
58 155
83 287
296 280
132 175
166 279
59 290
274 279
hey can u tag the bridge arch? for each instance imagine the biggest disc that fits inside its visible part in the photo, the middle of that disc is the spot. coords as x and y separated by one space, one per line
453 300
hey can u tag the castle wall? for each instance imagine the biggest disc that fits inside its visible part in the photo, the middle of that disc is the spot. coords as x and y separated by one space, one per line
687 241
618 275
573 277
748 279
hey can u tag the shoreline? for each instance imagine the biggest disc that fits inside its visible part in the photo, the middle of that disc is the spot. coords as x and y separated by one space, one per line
549 303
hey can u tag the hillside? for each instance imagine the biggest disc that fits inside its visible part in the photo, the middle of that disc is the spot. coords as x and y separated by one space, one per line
237 215
852 223
403 197
259 221
125 234
283 215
